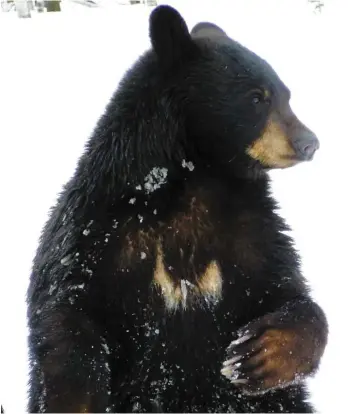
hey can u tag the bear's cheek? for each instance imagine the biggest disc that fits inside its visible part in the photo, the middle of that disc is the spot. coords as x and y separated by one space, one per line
273 148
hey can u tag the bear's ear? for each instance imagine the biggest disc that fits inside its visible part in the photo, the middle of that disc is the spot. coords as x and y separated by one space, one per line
169 36
206 29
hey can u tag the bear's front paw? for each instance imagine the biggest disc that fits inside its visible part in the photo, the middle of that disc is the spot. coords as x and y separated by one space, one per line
265 358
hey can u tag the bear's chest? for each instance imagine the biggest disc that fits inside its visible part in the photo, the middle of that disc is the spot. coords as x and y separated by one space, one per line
205 255
164 312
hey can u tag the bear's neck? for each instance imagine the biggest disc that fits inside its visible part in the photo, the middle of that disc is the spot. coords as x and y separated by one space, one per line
190 193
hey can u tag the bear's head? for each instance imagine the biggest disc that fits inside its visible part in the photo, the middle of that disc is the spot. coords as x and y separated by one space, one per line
201 97
235 106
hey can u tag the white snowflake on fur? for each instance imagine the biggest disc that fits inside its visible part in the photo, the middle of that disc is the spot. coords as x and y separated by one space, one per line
155 179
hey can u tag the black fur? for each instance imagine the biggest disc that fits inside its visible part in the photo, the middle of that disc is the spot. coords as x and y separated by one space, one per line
170 37
101 338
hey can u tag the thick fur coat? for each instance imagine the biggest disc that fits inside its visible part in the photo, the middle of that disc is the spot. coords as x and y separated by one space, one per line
164 279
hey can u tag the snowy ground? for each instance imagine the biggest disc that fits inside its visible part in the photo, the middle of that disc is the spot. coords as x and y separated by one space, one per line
57 72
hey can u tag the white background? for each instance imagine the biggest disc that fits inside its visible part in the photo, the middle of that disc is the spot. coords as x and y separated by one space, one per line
57 72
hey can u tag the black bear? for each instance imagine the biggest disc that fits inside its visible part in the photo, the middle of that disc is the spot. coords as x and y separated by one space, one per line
165 280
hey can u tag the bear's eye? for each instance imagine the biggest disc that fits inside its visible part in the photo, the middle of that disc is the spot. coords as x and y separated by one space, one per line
257 98
260 97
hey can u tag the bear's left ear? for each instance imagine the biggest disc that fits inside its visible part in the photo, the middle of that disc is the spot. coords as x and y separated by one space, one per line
169 36
206 29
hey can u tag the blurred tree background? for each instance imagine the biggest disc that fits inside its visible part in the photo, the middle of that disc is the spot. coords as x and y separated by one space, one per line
24 8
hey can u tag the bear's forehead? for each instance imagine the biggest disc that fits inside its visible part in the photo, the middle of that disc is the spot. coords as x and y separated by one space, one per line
227 50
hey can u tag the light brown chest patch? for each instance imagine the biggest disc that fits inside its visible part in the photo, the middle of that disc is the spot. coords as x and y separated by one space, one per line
207 287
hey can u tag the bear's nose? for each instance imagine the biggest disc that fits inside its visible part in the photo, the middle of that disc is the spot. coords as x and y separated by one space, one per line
306 145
